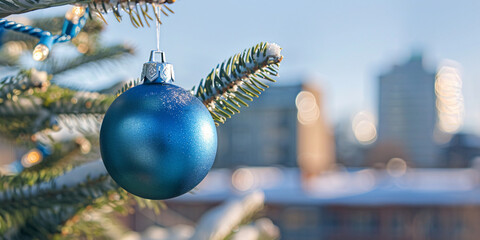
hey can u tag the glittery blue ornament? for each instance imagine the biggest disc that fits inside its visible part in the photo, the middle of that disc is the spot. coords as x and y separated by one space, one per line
157 140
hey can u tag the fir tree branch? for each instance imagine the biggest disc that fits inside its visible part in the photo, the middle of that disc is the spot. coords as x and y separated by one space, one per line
27 41
79 176
80 185
133 9
41 224
92 224
7 60
60 199
63 156
21 107
81 111
238 79
13 86
8 7
22 118
128 85
117 87
82 103
29 178
83 123
109 54
45 109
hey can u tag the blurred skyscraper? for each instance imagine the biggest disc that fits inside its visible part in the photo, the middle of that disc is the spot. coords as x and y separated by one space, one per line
407 114
285 126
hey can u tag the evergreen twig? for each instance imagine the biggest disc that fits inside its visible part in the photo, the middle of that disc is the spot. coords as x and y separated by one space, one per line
238 79
12 86
133 8
56 201
105 54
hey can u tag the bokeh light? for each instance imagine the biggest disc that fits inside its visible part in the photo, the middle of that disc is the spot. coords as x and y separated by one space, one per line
75 13
40 52
364 129
308 110
450 107
243 179
31 158
396 167
84 145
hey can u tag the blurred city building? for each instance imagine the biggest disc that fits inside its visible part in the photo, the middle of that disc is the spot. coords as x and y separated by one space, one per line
463 150
407 115
419 112
393 203
284 127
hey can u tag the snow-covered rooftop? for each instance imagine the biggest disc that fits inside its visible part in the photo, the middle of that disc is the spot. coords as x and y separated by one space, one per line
344 187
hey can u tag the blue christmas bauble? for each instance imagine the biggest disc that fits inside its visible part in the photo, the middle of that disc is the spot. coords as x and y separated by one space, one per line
158 141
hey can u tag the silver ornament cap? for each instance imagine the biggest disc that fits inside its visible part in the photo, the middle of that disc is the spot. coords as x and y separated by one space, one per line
157 71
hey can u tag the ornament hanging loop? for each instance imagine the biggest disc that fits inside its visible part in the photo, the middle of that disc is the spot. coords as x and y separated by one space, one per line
153 53
157 71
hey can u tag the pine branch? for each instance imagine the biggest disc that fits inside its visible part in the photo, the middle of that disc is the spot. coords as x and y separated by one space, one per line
81 103
116 88
56 201
81 185
83 123
91 225
28 41
22 107
29 178
64 155
81 111
13 86
42 225
133 9
7 60
22 118
128 85
107 54
238 79
8 7
78 177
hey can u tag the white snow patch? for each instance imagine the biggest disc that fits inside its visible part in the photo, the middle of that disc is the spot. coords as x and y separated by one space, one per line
273 50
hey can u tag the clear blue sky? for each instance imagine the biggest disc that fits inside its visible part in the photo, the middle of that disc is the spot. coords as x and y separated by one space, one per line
344 44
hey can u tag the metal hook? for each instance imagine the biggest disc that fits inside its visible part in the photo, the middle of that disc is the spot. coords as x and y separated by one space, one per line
154 52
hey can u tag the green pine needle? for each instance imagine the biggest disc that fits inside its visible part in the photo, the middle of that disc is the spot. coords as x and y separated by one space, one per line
103 55
13 86
238 79
140 13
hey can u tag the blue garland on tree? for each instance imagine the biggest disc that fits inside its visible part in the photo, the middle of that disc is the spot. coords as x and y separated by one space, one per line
75 20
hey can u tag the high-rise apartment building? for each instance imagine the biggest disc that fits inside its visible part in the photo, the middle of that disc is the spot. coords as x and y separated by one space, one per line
407 112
